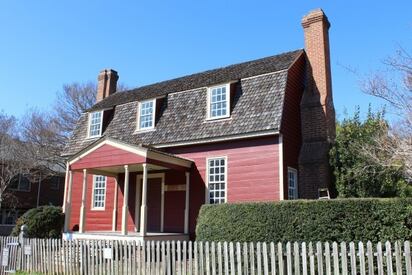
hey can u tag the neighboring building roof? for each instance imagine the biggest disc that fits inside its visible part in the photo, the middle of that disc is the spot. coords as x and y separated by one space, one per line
256 107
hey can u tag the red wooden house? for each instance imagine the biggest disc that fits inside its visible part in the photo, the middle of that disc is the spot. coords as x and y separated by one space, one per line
141 163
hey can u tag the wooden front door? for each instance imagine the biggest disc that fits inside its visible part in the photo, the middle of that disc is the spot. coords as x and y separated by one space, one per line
154 197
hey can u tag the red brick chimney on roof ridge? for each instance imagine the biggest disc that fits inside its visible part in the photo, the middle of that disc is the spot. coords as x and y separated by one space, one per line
107 83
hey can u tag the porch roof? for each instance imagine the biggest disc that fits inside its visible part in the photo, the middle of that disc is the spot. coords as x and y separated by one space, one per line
92 157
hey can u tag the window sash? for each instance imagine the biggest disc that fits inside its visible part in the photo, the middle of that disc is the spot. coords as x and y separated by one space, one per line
292 184
217 180
219 102
99 192
95 124
146 114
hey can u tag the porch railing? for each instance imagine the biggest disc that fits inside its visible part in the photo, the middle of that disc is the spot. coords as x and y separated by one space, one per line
53 256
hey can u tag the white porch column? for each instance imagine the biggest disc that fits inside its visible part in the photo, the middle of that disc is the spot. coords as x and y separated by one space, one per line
187 203
143 209
83 205
66 179
68 203
114 217
125 208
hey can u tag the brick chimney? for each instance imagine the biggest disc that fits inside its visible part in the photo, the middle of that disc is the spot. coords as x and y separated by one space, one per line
107 83
317 110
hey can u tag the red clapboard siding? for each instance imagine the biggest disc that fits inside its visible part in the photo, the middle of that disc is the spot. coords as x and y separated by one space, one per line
95 219
107 156
252 176
291 124
252 171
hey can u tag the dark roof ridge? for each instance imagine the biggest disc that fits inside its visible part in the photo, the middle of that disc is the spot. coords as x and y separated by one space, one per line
193 81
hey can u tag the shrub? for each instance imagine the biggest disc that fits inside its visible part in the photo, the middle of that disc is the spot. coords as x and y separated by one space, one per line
42 222
302 220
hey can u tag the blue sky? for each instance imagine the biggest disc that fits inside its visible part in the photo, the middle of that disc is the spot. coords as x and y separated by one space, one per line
45 44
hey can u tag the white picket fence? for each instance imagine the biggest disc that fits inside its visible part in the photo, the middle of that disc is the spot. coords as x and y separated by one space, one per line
52 256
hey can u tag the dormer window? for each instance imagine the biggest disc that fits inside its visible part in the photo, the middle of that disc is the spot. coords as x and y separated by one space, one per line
146 117
95 124
218 103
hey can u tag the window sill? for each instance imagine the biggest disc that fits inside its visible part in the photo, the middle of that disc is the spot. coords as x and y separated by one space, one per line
94 137
98 209
141 131
208 120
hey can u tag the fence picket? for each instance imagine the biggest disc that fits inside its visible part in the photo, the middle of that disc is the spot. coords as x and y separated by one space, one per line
280 259
328 268
288 258
319 256
207 258
361 259
272 258
184 264
379 258
265 259
370 256
352 256
258 258
311 259
238 257
232 259
179 258
252 258
304 259
388 258
226 258
344 256
245 259
398 258
408 264
335 255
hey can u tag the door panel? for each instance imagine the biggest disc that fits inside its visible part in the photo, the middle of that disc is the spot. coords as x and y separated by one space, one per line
154 196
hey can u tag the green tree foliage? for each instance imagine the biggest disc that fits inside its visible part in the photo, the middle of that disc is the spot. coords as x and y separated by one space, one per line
42 222
307 220
356 173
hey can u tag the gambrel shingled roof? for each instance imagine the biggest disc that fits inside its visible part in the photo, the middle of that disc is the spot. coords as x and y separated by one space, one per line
256 107
204 79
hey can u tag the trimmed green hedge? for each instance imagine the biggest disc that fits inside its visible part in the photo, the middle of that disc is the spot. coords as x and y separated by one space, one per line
42 222
301 220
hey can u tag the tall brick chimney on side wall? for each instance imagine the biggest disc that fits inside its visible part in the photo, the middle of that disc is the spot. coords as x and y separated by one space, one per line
317 110
107 83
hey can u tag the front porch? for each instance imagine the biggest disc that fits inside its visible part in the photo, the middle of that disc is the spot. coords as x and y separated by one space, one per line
125 168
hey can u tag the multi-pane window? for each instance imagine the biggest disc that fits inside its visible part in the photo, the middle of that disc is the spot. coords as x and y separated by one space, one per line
292 184
20 183
95 124
146 114
218 102
99 191
217 180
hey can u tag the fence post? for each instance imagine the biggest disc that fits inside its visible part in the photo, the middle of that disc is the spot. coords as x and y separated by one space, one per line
22 235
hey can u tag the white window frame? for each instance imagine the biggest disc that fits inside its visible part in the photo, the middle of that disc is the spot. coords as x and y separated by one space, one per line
89 124
105 192
207 197
295 190
228 103
153 115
